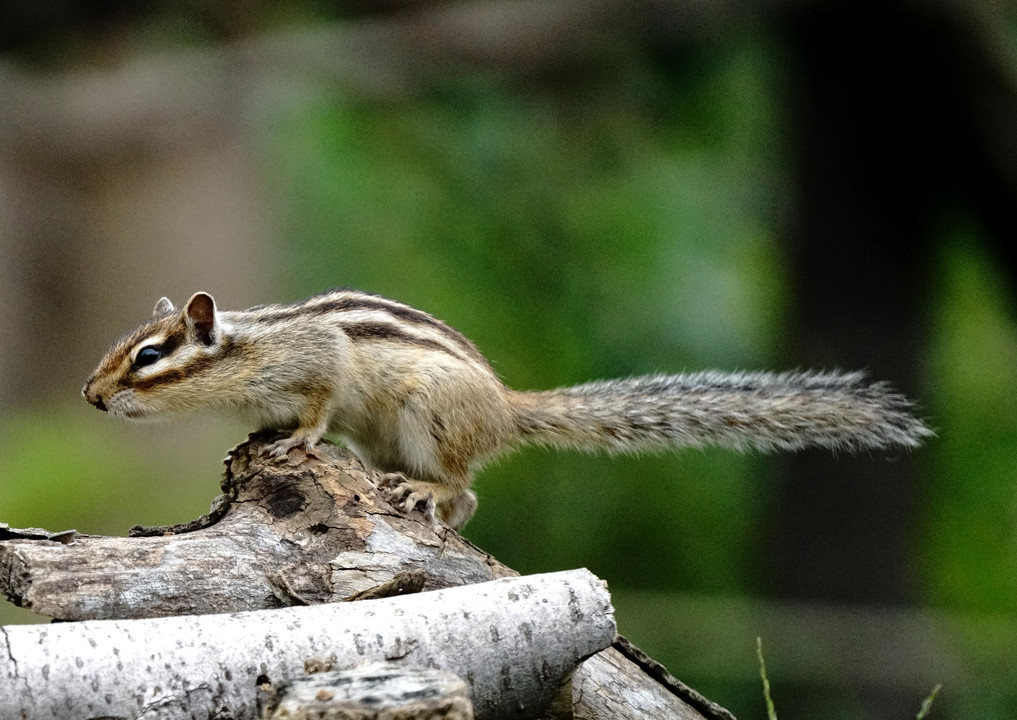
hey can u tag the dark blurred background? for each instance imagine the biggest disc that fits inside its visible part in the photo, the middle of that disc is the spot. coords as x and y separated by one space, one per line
587 189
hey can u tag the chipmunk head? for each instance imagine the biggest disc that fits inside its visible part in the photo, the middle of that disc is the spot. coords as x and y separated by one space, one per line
146 372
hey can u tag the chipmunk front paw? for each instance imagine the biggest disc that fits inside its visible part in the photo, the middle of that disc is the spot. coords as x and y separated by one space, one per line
278 450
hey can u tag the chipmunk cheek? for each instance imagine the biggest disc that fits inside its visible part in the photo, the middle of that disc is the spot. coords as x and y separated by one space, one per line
120 404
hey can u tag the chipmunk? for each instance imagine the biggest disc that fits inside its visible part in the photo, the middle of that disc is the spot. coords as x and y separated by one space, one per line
415 399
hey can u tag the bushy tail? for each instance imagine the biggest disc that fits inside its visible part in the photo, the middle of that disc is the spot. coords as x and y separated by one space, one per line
766 411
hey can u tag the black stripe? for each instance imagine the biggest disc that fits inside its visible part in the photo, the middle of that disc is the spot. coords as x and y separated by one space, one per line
196 366
385 332
170 376
172 342
372 302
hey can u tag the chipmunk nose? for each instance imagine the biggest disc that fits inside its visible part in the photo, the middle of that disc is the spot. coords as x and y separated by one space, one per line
93 397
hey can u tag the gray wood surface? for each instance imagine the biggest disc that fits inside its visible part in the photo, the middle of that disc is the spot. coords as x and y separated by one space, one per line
308 531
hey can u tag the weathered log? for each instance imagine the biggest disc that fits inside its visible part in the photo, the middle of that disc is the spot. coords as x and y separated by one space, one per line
623 683
313 530
513 640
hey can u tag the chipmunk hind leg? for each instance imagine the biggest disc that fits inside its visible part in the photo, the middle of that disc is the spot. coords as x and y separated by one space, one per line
458 510
438 445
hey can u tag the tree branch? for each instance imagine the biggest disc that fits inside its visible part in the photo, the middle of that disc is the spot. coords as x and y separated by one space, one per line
312 531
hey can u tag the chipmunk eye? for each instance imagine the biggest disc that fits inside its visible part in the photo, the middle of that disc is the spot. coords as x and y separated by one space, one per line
147 355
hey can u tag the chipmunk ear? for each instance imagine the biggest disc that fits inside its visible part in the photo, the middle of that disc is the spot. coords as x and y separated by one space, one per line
200 316
163 307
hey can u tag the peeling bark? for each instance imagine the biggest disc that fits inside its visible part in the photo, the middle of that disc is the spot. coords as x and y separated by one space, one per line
377 691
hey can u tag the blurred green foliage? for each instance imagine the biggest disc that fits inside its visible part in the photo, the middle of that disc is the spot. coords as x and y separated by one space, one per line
624 229
970 549
614 228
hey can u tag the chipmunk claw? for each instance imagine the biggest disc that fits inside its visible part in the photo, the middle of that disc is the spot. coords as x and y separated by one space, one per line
405 496
279 449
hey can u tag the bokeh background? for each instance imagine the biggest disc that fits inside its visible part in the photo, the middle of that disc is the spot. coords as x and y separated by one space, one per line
587 189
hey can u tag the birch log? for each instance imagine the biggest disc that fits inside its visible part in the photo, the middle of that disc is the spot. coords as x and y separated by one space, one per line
512 640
